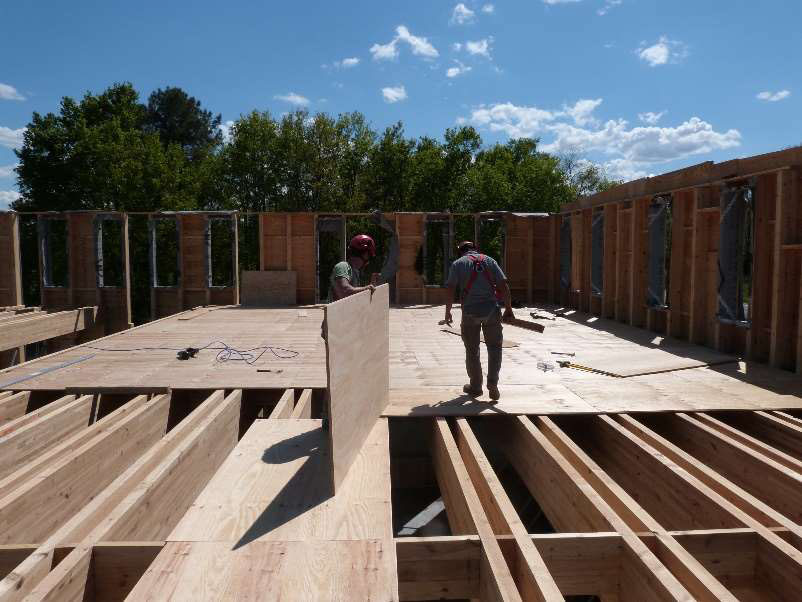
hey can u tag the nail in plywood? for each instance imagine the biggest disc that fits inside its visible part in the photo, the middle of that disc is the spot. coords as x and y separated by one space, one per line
357 361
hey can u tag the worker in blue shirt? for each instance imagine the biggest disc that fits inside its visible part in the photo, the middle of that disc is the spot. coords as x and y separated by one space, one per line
484 289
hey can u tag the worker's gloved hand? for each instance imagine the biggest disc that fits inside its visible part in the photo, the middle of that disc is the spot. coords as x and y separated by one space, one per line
379 219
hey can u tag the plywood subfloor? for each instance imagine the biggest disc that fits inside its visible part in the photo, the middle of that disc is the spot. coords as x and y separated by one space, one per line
267 527
427 371
275 485
146 356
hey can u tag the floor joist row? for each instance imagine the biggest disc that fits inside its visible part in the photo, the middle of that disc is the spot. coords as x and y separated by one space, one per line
635 506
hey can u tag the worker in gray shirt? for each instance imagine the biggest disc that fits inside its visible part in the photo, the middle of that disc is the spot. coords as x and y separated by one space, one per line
483 289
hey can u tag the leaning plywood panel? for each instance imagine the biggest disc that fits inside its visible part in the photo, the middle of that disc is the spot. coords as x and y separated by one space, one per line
358 365
24 330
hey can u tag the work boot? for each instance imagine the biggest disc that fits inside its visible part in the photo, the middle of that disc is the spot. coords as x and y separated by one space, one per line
473 392
493 391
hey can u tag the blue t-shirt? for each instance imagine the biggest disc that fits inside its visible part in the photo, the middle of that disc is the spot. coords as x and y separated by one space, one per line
481 299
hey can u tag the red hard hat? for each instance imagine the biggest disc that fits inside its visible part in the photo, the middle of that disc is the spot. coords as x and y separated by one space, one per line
362 243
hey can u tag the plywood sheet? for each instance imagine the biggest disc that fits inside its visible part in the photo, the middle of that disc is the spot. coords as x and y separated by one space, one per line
145 357
275 486
268 288
357 357
271 570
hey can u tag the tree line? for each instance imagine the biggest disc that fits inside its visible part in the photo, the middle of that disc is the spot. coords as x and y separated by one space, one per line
111 151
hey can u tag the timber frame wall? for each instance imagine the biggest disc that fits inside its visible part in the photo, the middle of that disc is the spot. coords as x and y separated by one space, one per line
287 242
774 335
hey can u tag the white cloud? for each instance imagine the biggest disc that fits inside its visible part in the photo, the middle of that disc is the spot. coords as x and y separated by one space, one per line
662 52
575 129
7 171
8 92
384 52
347 63
624 169
650 117
293 99
774 96
11 138
7 197
479 47
460 69
225 129
608 6
489 9
462 15
456 46
394 94
582 111
552 2
419 46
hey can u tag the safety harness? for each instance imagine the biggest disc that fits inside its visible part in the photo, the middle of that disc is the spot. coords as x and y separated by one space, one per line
478 261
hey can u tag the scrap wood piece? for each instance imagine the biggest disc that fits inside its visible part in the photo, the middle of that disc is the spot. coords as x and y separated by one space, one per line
524 324
506 343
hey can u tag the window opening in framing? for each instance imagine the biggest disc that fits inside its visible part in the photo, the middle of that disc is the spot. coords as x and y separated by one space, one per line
382 238
736 254
330 251
492 238
164 249
29 260
54 235
597 252
436 255
659 229
565 252
220 246
110 251
139 266
248 241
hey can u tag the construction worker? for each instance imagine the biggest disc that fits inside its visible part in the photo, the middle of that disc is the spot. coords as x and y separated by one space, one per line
346 277
484 288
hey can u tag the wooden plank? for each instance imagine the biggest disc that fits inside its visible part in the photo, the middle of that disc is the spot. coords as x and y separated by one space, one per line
271 570
357 362
13 406
551 480
13 425
129 496
116 567
29 440
303 409
466 516
275 486
284 406
66 582
12 555
68 446
529 570
40 505
447 567
743 500
18 333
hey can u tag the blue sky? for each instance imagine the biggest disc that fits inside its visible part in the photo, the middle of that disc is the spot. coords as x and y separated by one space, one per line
639 86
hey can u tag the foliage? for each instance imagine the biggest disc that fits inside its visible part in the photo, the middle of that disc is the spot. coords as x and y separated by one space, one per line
109 151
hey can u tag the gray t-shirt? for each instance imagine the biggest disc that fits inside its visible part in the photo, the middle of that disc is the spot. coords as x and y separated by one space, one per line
481 299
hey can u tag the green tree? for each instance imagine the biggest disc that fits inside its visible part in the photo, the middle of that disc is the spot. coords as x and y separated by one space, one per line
94 154
179 119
